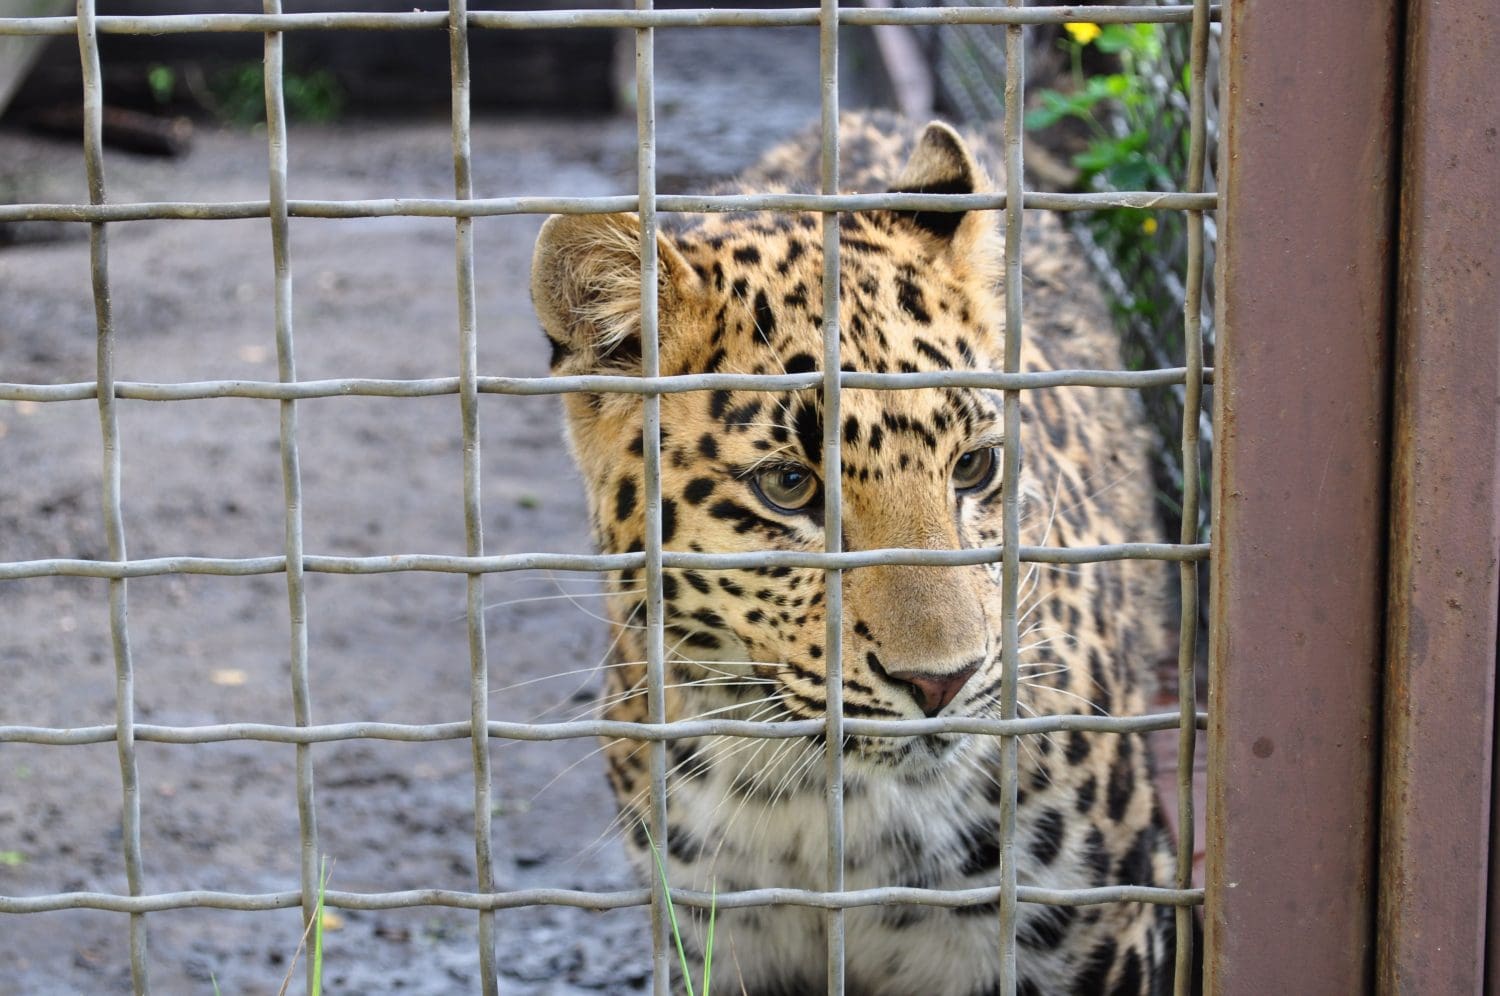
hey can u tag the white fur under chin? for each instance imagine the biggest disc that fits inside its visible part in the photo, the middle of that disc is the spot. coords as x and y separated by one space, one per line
776 837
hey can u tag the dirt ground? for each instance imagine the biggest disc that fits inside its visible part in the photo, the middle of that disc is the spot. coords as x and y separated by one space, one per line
374 298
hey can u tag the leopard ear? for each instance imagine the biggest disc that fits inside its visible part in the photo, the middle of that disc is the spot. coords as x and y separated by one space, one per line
586 286
941 163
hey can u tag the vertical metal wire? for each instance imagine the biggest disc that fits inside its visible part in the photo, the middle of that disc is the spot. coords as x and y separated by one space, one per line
291 473
645 103
1010 568
114 516
468 397
1187 675
833 488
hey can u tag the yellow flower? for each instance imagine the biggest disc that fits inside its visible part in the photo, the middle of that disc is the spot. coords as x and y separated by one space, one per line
1149 226
1083 32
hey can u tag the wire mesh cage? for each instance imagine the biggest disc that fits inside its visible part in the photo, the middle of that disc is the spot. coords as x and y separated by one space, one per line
1141 259
1193 199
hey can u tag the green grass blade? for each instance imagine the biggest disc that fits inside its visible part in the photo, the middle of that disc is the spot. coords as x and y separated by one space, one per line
661 869
317 953
708 946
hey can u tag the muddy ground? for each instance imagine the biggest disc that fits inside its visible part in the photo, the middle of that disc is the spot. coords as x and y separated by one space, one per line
374 298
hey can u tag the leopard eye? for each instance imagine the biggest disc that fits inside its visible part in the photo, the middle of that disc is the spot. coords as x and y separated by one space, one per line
974 469
787 488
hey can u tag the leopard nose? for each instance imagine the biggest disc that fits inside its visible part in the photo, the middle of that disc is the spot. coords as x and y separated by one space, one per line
934 691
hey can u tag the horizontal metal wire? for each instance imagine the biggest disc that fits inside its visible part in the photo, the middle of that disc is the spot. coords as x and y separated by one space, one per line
501 20
886 896
598 384
475 565
430 732
485 207
501 563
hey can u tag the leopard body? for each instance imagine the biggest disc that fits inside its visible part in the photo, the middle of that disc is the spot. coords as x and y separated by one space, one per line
741 293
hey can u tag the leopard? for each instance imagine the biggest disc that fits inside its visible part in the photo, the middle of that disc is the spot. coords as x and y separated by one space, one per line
740 292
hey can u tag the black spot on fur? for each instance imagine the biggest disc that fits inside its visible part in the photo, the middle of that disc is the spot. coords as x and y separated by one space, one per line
747 254
1097 856
801 363
794 252
697 490
909 297
1057 432
1087 792
809 427
765 318
742 415
624 499
1049 836
934 354
683 846
1046 930
706 641
981 849
668 520
1135 864
1130 976
1091 978
1121 782
686 759
980 909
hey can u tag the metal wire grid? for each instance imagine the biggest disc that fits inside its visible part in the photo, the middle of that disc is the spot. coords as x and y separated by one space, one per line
294 561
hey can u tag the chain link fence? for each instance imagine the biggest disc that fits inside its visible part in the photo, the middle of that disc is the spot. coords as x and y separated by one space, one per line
1194 200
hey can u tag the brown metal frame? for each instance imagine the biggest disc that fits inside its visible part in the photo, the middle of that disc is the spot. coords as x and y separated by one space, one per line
1445 511
1304 277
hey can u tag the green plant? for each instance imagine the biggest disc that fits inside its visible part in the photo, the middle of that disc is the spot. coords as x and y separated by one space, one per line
1120 157
163 82
1132 108
314 929
1118 109
708 945
239 95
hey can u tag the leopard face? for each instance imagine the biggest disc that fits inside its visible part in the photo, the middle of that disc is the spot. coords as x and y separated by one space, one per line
743 471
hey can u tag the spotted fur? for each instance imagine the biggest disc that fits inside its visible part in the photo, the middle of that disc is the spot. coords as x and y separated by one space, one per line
742 293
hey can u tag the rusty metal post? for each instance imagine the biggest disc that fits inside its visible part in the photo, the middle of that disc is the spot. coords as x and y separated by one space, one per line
1304 278
1445 510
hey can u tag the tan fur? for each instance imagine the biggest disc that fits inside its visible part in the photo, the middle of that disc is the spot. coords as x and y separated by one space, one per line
742 294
